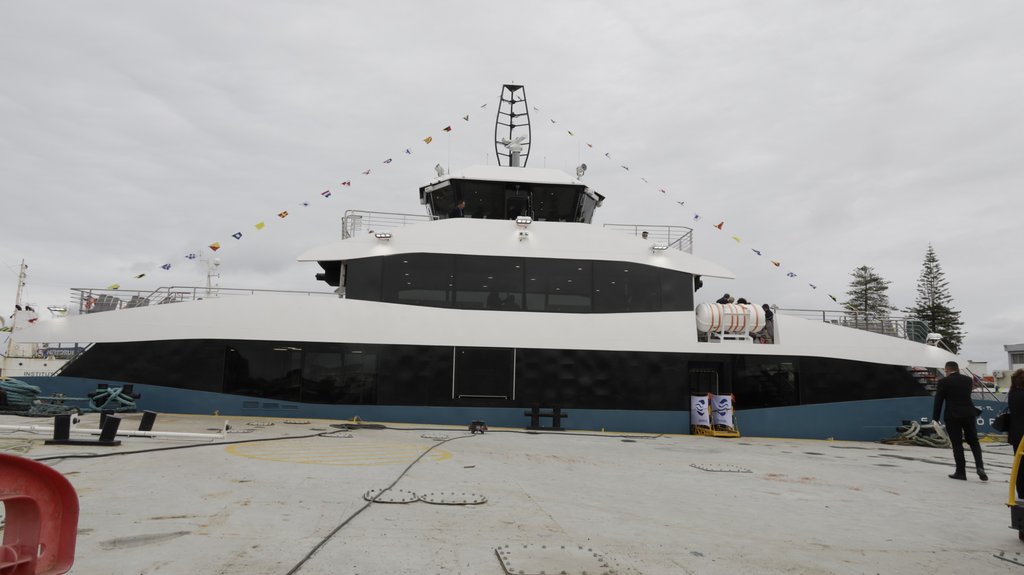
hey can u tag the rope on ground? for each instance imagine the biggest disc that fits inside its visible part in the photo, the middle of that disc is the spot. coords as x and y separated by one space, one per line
928 435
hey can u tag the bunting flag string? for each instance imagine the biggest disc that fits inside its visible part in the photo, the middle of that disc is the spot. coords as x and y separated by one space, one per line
696 216
215 246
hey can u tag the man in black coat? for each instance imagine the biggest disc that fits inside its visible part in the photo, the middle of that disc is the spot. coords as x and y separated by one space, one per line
955 391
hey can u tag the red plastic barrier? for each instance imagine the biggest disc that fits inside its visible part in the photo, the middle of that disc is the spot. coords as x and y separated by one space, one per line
41 518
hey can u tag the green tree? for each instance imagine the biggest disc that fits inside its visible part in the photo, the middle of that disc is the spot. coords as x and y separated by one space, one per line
933 303
868 294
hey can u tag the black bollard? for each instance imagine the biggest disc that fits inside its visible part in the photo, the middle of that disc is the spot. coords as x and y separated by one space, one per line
148 418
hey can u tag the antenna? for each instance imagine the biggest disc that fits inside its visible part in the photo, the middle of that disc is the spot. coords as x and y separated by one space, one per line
513 119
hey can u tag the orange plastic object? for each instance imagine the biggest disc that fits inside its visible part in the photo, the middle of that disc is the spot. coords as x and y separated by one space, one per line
41 518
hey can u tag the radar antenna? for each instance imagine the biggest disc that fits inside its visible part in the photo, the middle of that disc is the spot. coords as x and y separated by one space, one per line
513 114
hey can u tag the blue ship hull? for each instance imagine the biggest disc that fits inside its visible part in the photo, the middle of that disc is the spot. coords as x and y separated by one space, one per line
869 420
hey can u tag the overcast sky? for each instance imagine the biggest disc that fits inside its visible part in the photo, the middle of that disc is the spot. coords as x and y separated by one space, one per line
827 135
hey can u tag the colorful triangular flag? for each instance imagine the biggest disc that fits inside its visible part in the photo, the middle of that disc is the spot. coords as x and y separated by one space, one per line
366 173
305 204
466 117
114 286
387 161
758 252
237 235
737 238
608 155
446 129
166 266
696 217
408 151
813 286
625 168
347 183
590 145
140 276
215 246
570 133
775 263
283 214
719 225
326 193
833 298
191 256
260 225
791 274
428 139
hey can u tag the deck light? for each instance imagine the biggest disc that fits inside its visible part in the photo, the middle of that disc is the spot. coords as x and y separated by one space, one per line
383 236
655 249
523 221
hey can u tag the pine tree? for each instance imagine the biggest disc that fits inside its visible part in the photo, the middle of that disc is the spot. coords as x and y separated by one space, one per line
933 303
867 294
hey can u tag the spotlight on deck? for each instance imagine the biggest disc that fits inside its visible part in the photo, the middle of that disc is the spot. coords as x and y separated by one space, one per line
382 236
440 170
656 249
580 170
523 221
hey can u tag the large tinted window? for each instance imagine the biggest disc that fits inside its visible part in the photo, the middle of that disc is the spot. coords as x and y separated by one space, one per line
762 381
558 285
186 364
263 369
507 283
620 286
363 279
488 283
419 279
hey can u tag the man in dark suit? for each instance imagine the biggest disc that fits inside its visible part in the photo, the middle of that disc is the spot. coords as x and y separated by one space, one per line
955 391
459 210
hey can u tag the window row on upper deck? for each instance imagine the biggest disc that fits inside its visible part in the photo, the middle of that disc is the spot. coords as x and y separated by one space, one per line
512 283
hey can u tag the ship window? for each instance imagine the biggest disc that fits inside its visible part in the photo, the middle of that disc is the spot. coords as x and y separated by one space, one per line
676 291
760 382
558 285
333 373
418 279
270 370
484 282
622 287
509 283
362 279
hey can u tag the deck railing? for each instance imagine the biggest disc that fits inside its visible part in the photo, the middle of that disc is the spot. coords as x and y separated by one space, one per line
674 237
359 221
904 327
92 300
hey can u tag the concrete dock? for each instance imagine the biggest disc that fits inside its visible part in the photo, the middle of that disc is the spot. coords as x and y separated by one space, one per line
507 501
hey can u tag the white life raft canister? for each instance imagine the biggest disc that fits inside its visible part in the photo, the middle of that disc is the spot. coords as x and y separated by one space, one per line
729 318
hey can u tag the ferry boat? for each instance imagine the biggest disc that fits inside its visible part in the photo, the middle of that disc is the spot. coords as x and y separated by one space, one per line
502 304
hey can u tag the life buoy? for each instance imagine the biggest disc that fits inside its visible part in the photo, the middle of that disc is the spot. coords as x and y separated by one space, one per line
89 302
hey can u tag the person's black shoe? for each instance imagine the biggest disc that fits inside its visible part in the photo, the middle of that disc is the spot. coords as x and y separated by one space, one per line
982 475
960 476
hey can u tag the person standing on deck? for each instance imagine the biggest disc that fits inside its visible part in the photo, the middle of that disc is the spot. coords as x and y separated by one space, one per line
1015 401
955 391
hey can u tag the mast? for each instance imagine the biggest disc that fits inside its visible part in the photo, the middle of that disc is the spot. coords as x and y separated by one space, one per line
513 114
17 302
